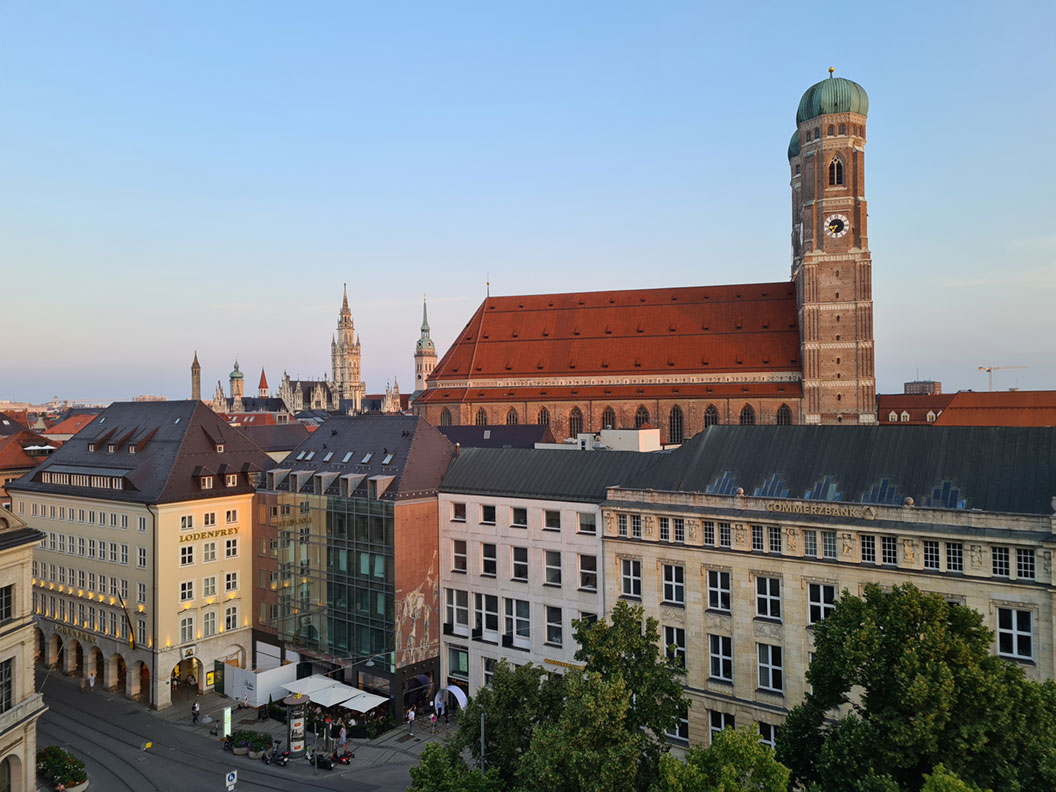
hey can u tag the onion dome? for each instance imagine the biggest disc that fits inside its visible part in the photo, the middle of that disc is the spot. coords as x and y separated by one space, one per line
236 374
834 95
793 146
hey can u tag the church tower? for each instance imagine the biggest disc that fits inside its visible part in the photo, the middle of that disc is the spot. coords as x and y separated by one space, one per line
237 382
831 265
344 359
262 386
196 378
424 354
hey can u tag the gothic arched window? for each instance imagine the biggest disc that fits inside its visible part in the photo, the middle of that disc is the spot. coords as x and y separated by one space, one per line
543 419
711 416
747 415
784 416
641 418
608 418
832 130
482 417
445 417
511 417
836 171
575 422
843 129
674 425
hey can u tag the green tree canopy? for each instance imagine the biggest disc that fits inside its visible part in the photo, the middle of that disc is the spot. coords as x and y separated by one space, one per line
441 769
734 762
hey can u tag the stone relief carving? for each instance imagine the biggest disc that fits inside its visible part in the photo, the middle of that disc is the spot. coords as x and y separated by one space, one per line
767 629
608 522
977 557
648 520
739 532
847 544
672 614
716 620
691 526
909 550
1046 561
790 538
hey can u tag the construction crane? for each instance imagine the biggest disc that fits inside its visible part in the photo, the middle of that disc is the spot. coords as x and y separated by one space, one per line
991 369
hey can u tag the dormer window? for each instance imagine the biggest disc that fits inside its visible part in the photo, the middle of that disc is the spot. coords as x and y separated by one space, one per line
905 416
110 448
219 448
892 417
367 457
91 448
931 417
232 479
206 482
132 449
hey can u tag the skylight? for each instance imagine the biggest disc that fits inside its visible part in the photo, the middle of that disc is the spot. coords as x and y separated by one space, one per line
348 456
329 454
387 459
367 458
310 455
301 455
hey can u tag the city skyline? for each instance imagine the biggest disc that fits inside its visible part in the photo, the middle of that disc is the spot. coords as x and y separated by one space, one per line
206 179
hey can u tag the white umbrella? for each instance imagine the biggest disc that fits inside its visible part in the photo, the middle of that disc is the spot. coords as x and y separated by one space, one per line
328 697
364 702
309 684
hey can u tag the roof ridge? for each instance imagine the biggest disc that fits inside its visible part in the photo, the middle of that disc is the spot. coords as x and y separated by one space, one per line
179 449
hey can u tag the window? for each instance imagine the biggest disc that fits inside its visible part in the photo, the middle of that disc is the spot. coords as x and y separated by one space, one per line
7 603
889 549
711 416
489 669
720 657
1024 564
674 584
665 529
675 644
631 575
519 564
486 613
141 557
999 561
931 554
1015 633
208 586
757 538
810 544
488 560
784 416
482 418
680 529
608 418
186 629
208 552
141 592
487 515
458 662
365 460
674 425
552 520
519 517
868 549
552 567
621 524
543 418
836 172
80 546
747 416
141 631
458 609
771 676
587 523
517 627
511 417
142 525
822 598
206 482
828 544
641 417
231 515
954 557
768 734
445 417
208 624
575 422
458 512
553 625
775 538
636 526
768 597
231 617
725 538
231 480
717 721
187 591
62 543
588 572
718 590
186 555
458 555
231 581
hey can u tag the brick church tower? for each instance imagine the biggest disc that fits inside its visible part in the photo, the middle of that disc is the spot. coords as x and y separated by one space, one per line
831 266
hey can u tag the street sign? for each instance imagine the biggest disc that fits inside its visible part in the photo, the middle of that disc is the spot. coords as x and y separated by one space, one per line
230 779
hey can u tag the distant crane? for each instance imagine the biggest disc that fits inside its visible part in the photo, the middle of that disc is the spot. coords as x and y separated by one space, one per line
991 369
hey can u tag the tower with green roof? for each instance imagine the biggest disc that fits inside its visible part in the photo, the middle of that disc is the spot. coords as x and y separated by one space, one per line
831 264
424 355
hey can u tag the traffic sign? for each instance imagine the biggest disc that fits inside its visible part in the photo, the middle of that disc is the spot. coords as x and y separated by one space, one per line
231 778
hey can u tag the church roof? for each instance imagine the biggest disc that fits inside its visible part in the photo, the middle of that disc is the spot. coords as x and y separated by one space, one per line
635 332
832 95
719 390
263 381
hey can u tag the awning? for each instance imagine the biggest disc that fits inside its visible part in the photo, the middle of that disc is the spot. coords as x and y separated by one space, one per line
333 695
364 702
309 684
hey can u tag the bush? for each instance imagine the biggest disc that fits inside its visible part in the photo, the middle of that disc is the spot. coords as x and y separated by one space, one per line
260 741
242 738
60 767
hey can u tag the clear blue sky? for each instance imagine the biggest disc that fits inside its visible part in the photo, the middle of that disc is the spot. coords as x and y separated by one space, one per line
202 175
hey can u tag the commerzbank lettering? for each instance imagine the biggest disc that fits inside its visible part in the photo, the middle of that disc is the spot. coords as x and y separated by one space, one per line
822 509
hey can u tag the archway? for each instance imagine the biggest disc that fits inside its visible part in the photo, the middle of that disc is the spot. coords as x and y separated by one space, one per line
116 674
40 648
234 655
11 779
140 681
74 658
93 664
56 656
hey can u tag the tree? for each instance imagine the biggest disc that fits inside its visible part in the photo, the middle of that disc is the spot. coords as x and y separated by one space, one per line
918 686
441 769
942 780
587 748
734 762
515 701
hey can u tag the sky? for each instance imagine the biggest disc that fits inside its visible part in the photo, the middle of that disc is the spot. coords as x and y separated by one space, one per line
202 176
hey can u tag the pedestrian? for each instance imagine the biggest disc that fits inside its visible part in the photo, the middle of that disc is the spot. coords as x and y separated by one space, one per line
194 712
432 721
410 720
91 682
342 737
83 683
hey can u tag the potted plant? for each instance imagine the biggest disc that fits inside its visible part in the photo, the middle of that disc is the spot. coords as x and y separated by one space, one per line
240 742
65 771
258 744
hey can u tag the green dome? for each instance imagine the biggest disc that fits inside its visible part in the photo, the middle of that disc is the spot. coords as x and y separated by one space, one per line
793 146
834 95
236 374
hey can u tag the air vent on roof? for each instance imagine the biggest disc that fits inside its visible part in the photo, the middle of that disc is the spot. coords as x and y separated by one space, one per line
670 362
674 298
740 362
520 305
641 299
546 331
551 305
638 362
739 323
737 295
575 331
514 334
640 330
671 328
612 301
607 391
575 392
764 294
571 364
487 336
604 363
581 302
744 389
781 388
766 361
508 366
608 331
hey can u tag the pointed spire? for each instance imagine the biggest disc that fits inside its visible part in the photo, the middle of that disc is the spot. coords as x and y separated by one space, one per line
425 317
263 384
194 363
344 302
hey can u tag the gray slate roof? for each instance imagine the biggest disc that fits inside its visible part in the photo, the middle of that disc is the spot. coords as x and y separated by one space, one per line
995 469
500 436
175 444
543 473
276 437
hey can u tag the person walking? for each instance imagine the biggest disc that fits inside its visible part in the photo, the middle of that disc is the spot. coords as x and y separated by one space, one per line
410 720
83 683
195 709
342 738
432 721
91 682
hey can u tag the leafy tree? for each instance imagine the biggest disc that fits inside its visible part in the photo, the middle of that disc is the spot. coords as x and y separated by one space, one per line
922 688
441 769
942 780
587 748
515 701
734 762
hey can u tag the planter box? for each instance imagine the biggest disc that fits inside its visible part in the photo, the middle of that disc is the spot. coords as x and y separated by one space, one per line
255 754
240 751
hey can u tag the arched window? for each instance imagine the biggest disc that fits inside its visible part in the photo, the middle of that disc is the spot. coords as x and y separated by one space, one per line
931 416
832 130
543 419
808 135
608 418
511 417
905 416
641 418
817 133
575 422
784 416
674 425
747 415
445 417
843 129
711 416
836 171
892 417
482 417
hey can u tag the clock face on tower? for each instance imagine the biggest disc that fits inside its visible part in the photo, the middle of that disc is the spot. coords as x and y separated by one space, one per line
836 225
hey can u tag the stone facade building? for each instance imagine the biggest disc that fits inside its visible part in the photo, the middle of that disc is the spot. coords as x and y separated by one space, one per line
682 359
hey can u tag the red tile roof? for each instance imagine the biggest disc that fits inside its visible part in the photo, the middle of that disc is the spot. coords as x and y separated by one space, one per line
250 419
691 329
1000 408
73 424
13 455
917 406
263 384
